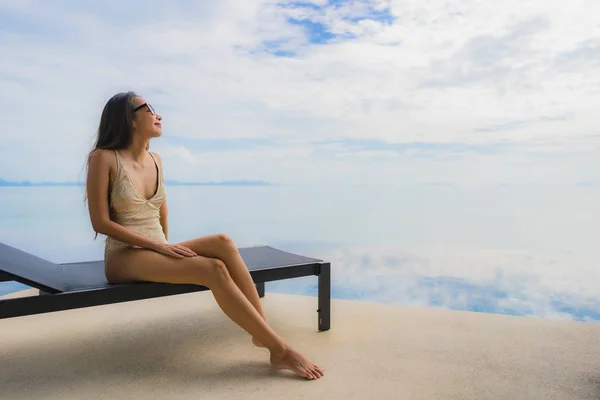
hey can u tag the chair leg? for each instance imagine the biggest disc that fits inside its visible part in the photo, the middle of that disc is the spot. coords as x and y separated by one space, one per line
260 288
324 311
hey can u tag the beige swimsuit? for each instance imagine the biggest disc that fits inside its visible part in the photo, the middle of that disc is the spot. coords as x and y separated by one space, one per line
132 210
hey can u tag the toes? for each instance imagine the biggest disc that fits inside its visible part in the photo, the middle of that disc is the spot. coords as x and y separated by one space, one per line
316 370
308 374
314 374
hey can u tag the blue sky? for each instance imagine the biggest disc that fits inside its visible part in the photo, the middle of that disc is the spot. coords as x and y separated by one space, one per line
367 91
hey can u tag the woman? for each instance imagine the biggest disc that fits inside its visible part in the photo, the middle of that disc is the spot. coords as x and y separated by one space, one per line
127 203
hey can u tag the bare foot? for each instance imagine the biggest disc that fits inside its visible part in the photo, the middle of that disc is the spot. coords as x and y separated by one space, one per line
294 361
257 343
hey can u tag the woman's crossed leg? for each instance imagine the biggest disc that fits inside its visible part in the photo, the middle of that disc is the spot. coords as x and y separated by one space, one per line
130 265
222 247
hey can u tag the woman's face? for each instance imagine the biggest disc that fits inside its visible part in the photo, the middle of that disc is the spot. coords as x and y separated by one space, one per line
147 121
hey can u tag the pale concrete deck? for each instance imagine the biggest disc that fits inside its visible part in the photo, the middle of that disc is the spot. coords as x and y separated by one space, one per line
183 347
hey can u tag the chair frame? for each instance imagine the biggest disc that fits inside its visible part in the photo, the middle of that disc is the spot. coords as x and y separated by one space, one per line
51 300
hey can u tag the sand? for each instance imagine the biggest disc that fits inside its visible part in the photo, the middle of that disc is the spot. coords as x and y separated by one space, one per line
183 347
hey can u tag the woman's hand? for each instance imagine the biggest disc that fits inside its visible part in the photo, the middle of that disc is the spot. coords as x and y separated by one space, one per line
173 250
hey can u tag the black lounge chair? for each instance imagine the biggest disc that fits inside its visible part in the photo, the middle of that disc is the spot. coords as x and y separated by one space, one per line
83 284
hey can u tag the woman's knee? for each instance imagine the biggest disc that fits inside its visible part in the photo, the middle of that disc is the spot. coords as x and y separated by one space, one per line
224 241
216 271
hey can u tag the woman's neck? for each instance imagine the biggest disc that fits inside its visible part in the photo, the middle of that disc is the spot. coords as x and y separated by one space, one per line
137 150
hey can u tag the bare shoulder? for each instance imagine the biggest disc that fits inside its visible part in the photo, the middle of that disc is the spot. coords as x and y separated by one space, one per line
103 159
158 158
102 155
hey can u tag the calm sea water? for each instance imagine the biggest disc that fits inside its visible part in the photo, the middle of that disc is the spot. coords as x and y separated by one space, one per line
500 249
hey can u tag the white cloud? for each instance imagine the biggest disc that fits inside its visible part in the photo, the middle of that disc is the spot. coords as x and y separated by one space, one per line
444 71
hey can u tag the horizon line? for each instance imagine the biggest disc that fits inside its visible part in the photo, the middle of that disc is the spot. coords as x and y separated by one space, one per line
242 182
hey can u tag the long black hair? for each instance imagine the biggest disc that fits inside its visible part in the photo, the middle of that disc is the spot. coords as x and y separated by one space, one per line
115 130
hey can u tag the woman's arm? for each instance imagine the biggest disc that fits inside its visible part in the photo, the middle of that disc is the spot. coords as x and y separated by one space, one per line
164 222
97 191
164 211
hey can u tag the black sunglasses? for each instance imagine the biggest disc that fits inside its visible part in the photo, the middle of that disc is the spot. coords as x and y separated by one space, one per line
145 105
